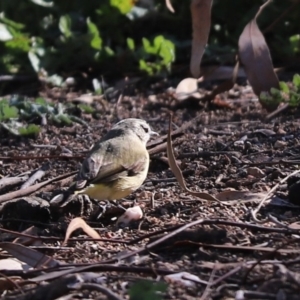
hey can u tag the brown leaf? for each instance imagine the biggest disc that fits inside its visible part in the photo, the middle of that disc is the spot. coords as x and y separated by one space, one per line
187 88
177 172
30 256
29 241
240 196
169 6
255 56
201 11
80 223
131 214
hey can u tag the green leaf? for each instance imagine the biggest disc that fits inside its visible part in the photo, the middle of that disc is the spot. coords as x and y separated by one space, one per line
34 60
144 67
63 119
275 92
147 46
86 108
7 112
294 99
96 41
284 87
97 86
167 52
158 42
109 51
295 42
41 101
147 290
124 6
296 81
45 3
29 130
65 25
12 24
130 44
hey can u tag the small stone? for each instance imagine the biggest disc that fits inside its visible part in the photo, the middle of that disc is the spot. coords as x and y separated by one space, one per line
279 144
255 172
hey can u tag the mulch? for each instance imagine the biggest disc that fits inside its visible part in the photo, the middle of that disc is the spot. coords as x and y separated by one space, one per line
226 144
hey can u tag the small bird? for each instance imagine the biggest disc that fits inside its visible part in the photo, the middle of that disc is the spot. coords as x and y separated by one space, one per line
117 164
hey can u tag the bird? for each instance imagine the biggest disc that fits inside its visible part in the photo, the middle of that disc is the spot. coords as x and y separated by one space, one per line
117 164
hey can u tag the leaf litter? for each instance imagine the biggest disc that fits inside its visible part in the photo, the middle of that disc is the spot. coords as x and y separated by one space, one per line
209 225
181 232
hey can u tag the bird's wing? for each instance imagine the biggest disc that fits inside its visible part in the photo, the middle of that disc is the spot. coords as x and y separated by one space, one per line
104 164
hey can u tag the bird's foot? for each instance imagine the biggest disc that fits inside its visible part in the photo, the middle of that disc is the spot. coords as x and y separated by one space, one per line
65 198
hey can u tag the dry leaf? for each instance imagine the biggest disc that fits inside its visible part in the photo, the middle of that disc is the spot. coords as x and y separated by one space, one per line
187 88
169 6
201 11
13 264
239 196
255 56
30 256
177 172
184 279
80 223
295 225
28 241
131 214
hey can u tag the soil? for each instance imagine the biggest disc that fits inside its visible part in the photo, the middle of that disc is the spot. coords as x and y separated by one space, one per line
231 144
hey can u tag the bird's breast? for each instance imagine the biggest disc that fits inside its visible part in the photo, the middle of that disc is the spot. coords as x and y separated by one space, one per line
116 189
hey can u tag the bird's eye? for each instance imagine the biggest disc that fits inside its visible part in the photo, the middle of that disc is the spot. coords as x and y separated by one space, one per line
146 129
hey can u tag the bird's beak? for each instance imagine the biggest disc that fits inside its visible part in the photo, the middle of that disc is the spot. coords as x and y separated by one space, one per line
153 133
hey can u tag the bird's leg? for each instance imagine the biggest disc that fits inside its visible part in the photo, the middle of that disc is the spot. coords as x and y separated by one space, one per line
114 202
107 204
103 208
82 198
134 203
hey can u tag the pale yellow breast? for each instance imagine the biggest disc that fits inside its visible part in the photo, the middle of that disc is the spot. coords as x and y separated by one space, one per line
117 190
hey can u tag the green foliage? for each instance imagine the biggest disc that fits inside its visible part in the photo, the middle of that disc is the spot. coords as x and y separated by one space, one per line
288 93
76 37
19 110
57 38
86 108
162 52
147 290
6 111
30 130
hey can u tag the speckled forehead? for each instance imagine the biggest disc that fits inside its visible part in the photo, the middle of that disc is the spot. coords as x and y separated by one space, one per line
131 121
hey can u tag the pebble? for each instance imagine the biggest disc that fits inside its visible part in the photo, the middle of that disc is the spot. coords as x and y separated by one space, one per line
255 172
279 144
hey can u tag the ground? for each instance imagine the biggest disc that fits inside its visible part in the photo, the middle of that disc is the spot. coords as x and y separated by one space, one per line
231 144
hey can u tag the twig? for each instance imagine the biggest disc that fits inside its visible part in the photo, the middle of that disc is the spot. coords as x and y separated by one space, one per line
264 257
228 274
278 162
42 157
179 131
36 176
33 188
7 181
277 111
52 273
249 248
162 147
208 153
254 212
207 291
219 222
